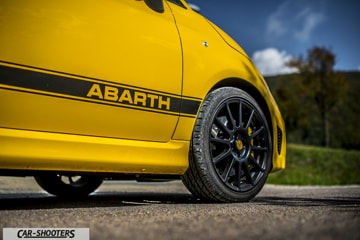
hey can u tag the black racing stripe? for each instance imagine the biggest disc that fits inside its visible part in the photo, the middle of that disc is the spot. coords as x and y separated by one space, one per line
189 106
70 75
72 87
43 82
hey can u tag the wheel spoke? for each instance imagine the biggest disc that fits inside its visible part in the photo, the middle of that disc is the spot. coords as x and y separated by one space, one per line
240 115
247 174
229 114
238 176
256 165
220 141
71 181
257 132
222 156
227 170
259 148
250 119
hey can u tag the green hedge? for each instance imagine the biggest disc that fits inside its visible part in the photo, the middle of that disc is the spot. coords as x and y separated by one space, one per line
307 165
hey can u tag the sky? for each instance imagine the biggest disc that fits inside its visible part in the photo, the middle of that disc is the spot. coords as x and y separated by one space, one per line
274 31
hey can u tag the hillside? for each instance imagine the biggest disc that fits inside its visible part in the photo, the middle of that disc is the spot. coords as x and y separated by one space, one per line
301 115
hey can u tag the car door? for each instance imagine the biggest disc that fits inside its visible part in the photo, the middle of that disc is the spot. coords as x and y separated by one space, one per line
95 68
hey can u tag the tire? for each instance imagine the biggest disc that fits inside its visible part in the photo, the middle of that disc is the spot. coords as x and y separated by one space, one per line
68 186
231 148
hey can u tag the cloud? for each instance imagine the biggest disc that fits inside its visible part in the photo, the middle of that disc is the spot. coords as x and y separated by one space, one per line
310 20
194 7
275 25
296 19
271 61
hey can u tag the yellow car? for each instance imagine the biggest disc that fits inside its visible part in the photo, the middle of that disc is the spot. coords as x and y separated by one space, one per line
128 90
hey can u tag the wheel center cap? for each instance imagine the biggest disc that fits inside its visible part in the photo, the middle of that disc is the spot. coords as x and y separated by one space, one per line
239 144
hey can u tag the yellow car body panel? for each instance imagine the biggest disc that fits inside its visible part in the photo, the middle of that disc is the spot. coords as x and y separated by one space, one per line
132 102
77 38
64 152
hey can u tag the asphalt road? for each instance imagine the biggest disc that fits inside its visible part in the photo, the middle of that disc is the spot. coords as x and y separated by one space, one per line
158 211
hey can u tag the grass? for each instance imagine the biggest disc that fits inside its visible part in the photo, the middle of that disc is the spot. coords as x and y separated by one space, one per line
307 165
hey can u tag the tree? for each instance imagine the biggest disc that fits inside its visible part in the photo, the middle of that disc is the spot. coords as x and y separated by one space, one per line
321 83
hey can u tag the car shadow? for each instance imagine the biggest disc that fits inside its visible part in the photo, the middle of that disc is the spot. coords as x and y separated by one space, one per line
42 200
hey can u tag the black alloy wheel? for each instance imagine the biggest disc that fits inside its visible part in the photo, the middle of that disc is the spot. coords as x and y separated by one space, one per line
231 149
68 186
